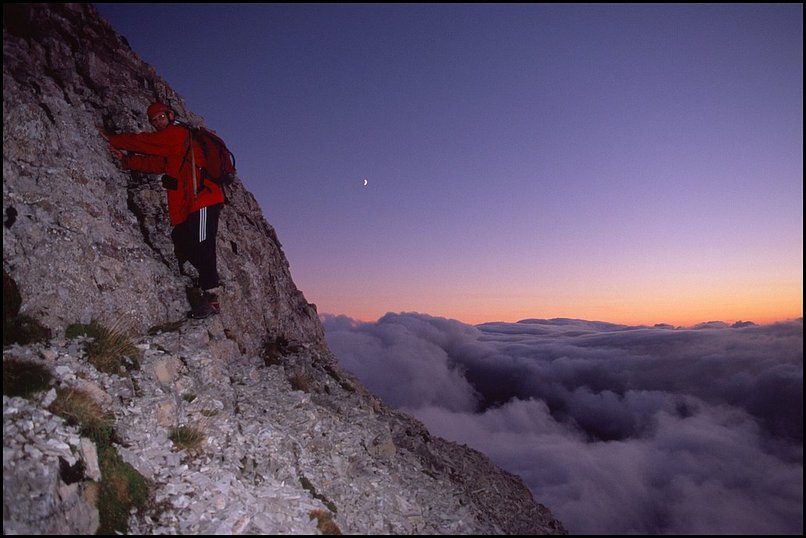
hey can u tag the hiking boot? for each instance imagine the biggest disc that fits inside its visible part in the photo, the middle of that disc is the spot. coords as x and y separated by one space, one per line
206 307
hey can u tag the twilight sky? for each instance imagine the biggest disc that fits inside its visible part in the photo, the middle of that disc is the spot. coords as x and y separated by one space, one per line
637 164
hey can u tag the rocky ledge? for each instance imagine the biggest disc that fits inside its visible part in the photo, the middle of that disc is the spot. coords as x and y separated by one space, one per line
283 444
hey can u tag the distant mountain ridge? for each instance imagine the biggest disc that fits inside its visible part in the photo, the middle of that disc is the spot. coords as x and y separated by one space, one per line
288 434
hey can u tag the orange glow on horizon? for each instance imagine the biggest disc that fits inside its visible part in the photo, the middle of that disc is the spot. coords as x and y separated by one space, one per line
761 307
626 301
678 319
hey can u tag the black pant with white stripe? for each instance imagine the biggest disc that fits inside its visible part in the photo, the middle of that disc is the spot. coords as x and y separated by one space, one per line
195 241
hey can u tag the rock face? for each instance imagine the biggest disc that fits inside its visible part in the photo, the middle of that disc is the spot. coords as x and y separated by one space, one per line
286 432
90 241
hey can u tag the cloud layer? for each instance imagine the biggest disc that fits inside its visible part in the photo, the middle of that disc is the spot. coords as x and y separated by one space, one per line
617 429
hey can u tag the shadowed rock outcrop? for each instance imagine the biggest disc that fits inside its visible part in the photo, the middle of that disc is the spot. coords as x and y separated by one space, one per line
287 433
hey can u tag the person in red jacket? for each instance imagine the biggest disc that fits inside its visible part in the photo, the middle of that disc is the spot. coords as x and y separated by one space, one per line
194 204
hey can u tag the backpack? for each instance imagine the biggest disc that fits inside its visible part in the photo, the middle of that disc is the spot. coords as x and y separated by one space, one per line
220 167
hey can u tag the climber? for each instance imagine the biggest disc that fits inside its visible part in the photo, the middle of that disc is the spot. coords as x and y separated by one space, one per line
194 204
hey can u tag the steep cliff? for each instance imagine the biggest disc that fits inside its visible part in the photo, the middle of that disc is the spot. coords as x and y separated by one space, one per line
286 433
90 240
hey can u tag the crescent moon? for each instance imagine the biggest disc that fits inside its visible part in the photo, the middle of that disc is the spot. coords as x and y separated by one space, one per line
365 182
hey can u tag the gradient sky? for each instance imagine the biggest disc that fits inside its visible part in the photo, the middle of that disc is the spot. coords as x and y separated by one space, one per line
635 164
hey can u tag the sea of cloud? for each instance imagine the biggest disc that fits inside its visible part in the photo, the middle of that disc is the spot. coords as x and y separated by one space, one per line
617 429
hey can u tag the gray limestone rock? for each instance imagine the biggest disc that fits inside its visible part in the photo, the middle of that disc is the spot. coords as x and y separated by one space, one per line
288 436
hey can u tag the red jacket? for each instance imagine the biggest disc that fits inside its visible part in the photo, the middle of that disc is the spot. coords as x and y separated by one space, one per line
166 152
